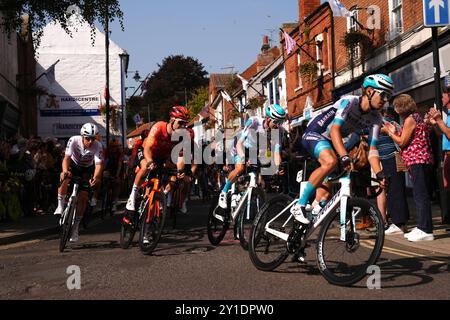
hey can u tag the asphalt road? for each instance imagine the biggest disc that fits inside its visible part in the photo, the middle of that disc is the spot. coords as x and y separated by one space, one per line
185 266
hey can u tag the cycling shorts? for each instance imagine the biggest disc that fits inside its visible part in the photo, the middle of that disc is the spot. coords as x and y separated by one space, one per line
315 143
85 173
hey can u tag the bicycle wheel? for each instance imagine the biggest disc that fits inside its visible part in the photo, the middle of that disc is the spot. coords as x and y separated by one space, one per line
246 217
218 222
66 227
344 263
152 223
267 251
128 228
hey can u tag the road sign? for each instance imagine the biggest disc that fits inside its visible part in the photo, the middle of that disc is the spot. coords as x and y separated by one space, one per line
137 118
436 13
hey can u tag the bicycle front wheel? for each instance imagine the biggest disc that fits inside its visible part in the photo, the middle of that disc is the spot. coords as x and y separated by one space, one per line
346 262
66 227
266 250
152 223
248 214
218 222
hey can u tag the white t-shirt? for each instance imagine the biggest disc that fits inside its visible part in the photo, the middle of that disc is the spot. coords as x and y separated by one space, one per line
84 157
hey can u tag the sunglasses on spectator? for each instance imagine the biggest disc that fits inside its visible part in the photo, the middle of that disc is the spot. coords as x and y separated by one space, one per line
384 95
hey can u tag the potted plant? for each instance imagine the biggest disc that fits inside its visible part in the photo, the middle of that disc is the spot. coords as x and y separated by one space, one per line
354 39
256 102
308 70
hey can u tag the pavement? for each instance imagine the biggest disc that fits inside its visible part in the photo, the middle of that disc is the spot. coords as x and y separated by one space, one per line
41 226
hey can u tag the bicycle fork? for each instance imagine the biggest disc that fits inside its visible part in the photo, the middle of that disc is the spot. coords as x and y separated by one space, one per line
72 200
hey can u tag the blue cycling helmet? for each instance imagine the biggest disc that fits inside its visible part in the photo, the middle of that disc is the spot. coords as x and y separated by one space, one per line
379 81
276 113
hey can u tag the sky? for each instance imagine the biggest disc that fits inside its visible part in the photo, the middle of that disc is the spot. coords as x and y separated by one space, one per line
219 34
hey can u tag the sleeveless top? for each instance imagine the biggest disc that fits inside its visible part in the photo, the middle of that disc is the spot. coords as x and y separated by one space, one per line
419 149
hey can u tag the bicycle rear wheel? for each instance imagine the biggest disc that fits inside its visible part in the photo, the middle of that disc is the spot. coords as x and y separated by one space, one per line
152 223
344 263
267 251
246 217
218 222
66 227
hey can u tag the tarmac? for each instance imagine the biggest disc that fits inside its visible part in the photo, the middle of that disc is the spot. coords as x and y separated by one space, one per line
42 226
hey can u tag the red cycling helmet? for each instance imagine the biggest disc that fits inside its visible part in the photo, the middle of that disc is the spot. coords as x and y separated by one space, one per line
179 113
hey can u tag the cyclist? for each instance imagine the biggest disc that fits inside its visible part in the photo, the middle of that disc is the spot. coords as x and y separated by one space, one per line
325 132
157 148
83 158
141 168
275 116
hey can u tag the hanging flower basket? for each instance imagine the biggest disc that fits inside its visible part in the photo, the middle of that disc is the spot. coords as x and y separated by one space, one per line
256 102
308 70
354 39
113 114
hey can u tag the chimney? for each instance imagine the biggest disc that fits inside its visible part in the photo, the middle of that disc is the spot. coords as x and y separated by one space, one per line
306 7
265 47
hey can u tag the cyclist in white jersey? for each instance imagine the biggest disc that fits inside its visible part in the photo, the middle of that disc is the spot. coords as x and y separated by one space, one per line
83 158
323 137
275 116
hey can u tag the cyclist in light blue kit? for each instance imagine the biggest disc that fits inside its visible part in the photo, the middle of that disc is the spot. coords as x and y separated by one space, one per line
275 116
323 137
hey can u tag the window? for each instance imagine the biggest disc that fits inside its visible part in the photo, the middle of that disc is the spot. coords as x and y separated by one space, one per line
396 17
274 91
299 78
353 26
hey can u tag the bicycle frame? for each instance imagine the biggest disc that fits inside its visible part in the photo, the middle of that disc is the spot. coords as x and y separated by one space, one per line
340 198
149 196
72 199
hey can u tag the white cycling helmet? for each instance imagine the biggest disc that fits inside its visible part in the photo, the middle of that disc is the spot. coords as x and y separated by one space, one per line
89 130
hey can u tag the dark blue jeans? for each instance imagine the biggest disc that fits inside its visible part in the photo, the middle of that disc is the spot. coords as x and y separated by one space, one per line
397 205
420 175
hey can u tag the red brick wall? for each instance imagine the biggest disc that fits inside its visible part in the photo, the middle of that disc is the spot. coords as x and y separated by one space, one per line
319 24
306 7
412 17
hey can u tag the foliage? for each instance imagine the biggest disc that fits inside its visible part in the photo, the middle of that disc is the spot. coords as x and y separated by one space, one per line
307 31
44 11
354 39
198 101
176 77
114 113
256 102
308 70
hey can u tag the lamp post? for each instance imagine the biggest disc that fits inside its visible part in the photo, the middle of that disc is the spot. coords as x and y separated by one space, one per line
124 60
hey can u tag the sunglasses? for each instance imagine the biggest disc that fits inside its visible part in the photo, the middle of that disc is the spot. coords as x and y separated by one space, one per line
384 95
182 122
89 138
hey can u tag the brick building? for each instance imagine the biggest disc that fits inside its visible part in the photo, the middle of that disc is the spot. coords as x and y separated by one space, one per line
398 44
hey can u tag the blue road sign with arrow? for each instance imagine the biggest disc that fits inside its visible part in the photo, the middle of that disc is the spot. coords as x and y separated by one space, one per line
436 13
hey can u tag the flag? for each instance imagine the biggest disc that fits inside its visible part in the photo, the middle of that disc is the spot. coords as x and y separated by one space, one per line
244 82
338 9
226 96
290 43
50 73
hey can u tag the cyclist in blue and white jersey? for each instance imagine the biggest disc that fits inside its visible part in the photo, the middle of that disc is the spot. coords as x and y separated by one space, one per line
275 116
323 137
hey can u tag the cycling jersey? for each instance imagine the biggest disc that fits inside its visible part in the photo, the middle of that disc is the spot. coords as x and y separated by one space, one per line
347 114
160 142
81 156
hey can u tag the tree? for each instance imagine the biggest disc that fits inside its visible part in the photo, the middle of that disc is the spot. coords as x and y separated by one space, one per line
177 77
135 105
41 12
198 101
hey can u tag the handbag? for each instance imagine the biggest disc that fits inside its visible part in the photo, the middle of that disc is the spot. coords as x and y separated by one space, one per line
400 165
360 153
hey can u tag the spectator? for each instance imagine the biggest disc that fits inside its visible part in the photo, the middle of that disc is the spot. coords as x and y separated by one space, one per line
414 141
436 119
392 203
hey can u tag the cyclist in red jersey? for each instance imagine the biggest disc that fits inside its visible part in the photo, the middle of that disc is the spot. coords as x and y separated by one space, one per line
141 168
158 147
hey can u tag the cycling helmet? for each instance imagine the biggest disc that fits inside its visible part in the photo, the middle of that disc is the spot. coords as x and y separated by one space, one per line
89 130
276 113
379 81
179 113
